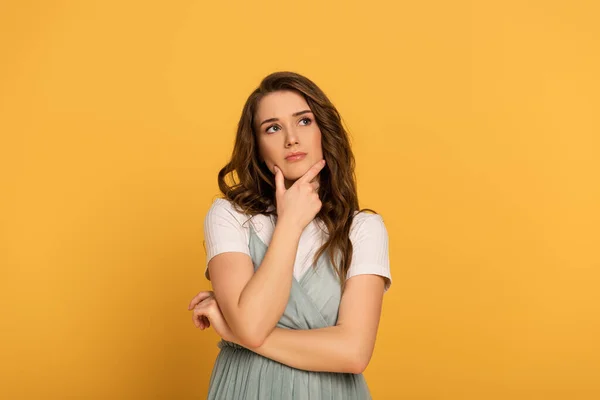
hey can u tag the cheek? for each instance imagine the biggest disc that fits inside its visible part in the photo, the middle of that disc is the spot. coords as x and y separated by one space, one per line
318 145
266 156
263 151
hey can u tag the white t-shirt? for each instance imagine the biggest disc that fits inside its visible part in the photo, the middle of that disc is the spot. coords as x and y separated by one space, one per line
227 230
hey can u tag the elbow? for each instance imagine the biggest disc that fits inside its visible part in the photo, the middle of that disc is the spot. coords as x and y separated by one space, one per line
359 366
250 331
359 361
251 342
251 337
354 366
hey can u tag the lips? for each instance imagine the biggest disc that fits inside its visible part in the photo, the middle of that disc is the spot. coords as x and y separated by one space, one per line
295 156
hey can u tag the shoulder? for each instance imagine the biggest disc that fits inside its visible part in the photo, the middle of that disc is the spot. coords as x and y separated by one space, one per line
223 208
370 242
365 223
221 204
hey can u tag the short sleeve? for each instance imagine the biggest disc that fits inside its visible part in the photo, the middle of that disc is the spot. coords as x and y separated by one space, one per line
370 253
223 231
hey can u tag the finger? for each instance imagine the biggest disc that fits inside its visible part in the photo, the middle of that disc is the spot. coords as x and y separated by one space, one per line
279 181
205 323
196 320
199 297
312 172
199 314
315 186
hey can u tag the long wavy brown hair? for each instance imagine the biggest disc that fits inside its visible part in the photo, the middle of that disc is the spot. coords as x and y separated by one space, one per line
252 187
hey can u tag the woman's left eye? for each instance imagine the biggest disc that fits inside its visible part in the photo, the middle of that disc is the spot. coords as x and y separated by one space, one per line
307 119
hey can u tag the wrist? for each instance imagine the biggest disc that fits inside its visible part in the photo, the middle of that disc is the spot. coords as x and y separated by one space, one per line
289 226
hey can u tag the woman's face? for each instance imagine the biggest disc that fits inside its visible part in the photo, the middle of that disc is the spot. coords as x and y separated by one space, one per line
285 124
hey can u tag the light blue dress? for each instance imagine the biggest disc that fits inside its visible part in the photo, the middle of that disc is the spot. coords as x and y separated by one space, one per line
240 374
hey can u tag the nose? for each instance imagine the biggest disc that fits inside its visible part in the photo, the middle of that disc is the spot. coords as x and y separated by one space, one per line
291 137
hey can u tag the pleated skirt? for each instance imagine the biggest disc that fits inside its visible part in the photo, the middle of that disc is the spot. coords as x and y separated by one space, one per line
240 374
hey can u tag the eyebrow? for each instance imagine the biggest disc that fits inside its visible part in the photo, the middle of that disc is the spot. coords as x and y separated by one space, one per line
276 119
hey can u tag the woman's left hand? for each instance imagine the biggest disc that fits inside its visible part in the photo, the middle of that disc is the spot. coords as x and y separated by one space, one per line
207 313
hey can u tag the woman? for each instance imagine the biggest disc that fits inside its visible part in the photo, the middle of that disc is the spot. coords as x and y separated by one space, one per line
298 271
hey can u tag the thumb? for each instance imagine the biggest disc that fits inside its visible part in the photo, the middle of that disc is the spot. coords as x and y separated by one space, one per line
279 183
200 297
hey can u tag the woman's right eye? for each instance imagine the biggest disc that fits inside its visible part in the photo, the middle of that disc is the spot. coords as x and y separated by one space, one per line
272 126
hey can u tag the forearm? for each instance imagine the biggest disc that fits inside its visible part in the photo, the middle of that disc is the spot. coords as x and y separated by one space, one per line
328 349
265 296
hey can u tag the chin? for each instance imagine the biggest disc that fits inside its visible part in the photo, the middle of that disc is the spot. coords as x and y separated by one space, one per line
295 171
292 176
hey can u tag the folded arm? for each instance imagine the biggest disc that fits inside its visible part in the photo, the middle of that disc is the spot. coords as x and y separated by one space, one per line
252 302
346 347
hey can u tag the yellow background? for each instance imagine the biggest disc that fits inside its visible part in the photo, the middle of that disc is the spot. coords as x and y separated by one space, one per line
476 132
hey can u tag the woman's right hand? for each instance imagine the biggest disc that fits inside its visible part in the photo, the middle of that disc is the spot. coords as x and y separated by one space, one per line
300 203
